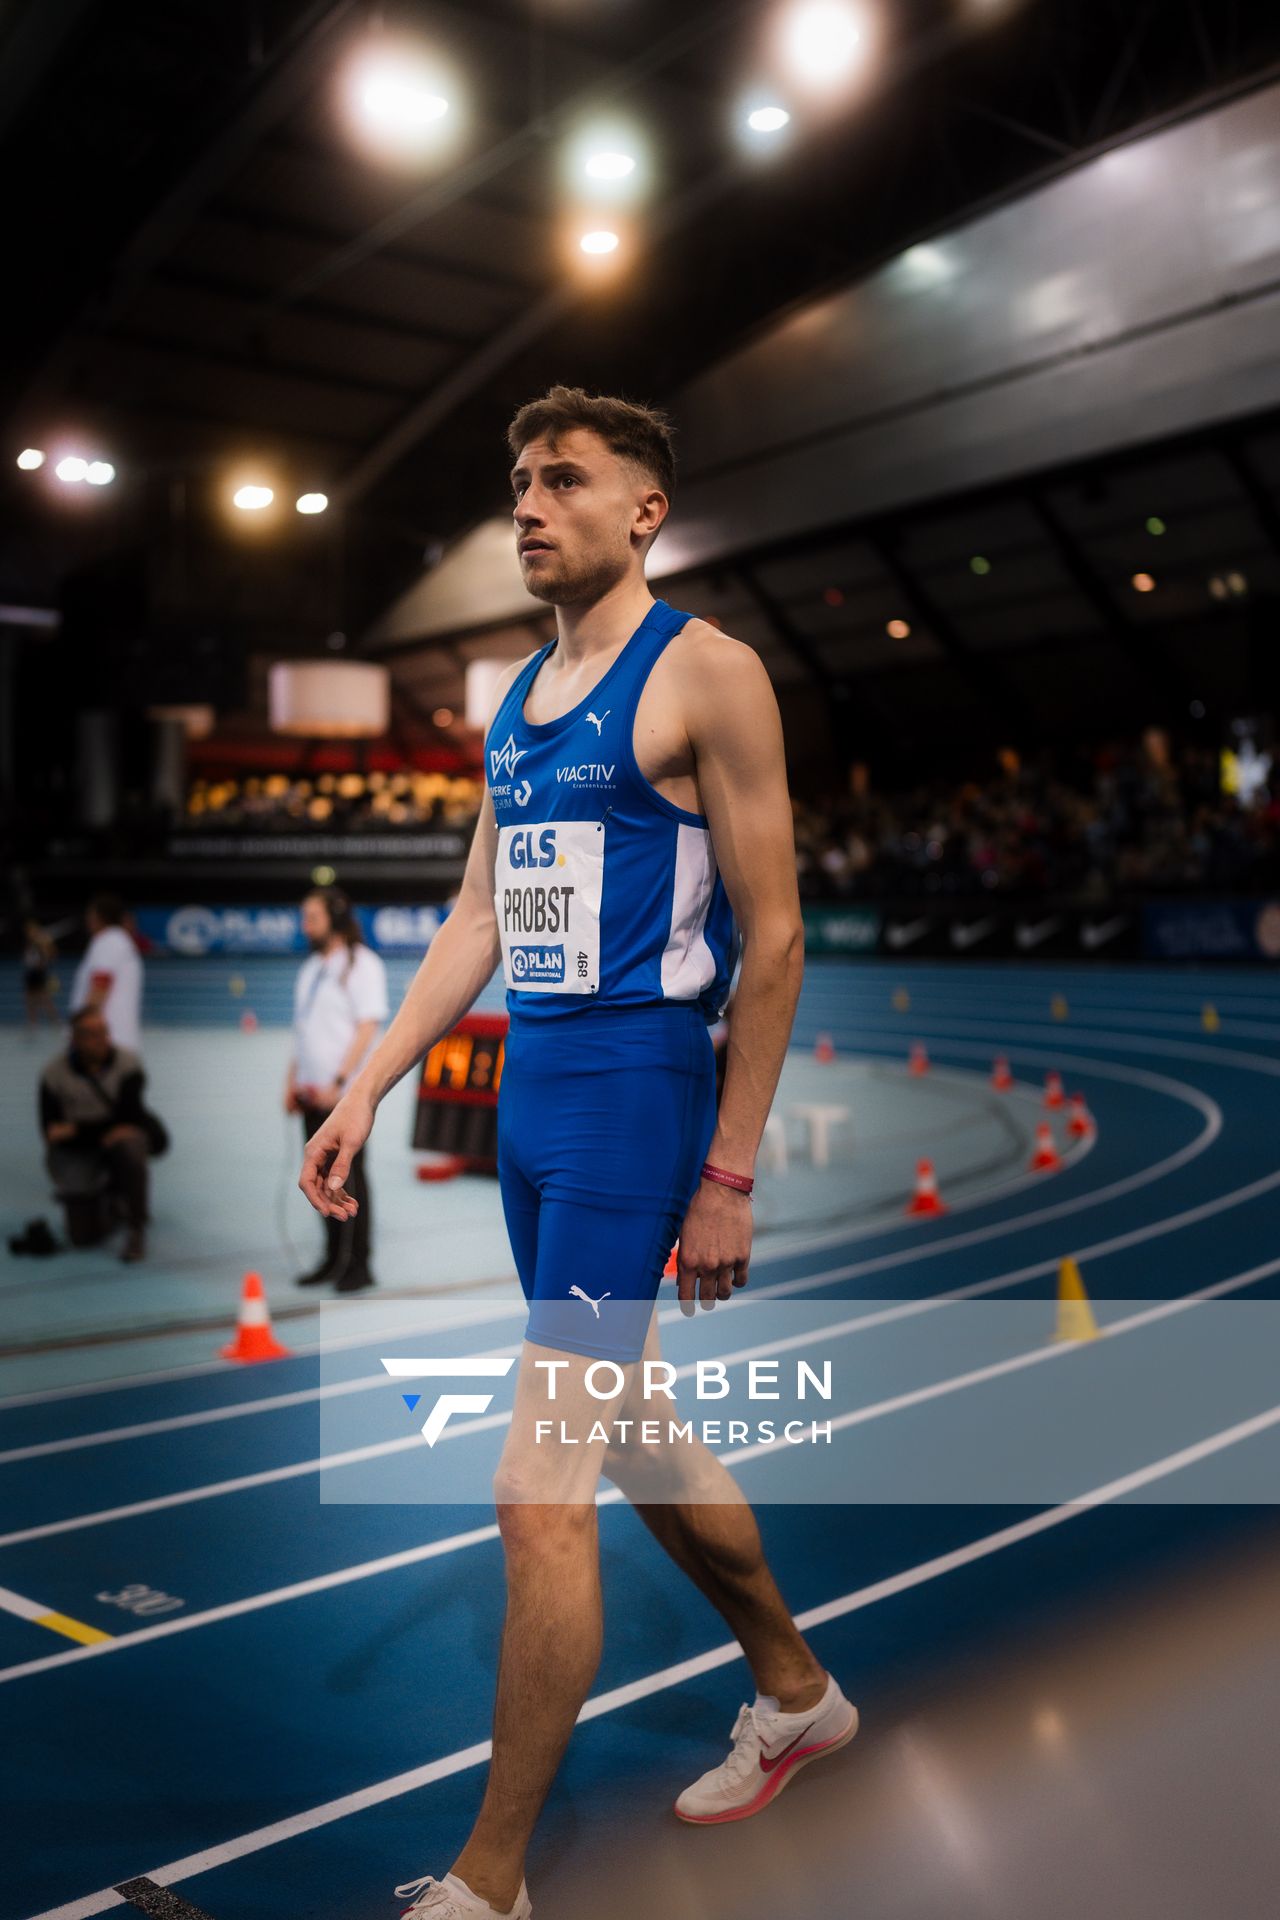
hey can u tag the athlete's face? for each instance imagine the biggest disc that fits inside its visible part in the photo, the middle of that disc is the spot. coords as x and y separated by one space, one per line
583 518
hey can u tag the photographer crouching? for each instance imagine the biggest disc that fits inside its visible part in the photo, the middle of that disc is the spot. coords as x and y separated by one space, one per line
99 1135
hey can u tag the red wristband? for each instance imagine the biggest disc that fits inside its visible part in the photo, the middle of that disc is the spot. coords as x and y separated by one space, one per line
742 1182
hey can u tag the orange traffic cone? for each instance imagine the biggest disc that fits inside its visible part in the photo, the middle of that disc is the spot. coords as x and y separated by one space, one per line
670 1267
1053 1094
824 1049
1001 1078
254 1339
1046 1157
248 1021
1080 1122
925 1199
919 1062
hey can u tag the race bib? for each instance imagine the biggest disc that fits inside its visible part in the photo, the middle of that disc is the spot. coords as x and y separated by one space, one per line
548 884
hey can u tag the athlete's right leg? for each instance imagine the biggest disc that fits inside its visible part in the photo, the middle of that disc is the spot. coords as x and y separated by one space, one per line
698 1514
551 1637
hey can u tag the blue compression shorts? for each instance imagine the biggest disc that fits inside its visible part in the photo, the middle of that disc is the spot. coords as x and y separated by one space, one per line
604 1121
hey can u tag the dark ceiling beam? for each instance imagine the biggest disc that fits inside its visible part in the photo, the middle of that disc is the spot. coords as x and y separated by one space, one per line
249 293
979 672
1159 669
848 735
292 227
29 50
1036 136
1265 510
266 97
301 372
327 447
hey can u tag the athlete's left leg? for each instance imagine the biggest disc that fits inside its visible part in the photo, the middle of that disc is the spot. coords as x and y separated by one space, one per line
698 1514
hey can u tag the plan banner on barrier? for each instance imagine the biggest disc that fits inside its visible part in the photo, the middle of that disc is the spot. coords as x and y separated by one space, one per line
197 929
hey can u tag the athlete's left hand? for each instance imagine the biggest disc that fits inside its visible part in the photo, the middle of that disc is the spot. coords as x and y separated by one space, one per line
715 1246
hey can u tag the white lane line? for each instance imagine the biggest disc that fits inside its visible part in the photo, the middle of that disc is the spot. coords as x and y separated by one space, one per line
122 1383
1086 1063
805 1283
369 1569
380 1791
1191 1096
942 1030
1146 1013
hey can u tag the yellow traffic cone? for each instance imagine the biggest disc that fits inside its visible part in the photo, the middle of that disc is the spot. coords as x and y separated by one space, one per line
1059 1008
1209 1018
1075 1314
901 1000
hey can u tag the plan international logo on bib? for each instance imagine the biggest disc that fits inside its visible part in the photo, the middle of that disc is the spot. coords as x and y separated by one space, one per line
538 966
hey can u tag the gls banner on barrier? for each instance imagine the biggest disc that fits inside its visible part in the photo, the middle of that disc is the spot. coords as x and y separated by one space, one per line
197 930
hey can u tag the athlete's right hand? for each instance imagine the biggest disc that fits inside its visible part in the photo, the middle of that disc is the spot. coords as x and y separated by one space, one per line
330 1151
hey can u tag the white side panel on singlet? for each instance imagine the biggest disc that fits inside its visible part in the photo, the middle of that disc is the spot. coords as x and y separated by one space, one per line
688 964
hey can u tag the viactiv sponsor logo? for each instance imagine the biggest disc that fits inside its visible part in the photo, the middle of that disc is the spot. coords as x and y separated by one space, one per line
448 1403
591 773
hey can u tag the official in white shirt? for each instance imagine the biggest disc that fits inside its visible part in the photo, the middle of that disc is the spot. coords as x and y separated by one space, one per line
109 976
339 1007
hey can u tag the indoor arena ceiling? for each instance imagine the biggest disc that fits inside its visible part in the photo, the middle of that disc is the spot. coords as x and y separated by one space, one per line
210 272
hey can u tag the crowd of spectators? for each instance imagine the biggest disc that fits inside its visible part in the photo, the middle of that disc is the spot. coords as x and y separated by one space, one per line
375 802
1089 826
1144 819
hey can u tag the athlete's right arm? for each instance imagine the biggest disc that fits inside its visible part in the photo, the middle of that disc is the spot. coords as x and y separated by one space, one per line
459 962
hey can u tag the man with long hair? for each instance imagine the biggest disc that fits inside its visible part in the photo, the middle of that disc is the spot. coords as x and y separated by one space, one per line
339 1006
635 832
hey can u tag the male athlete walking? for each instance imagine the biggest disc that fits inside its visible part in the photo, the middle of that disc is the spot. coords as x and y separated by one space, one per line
636 810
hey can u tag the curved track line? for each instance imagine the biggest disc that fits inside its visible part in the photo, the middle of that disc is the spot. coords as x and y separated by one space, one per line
381 1791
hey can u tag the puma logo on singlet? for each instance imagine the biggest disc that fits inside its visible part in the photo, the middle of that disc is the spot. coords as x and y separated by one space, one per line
598 724
593 1304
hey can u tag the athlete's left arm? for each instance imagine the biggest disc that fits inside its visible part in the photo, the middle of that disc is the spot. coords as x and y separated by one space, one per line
735 730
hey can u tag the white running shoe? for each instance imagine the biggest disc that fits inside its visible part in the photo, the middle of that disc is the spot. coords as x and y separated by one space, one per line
769 1748
452 1899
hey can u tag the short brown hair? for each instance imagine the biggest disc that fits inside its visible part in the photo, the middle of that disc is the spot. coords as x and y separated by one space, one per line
640 435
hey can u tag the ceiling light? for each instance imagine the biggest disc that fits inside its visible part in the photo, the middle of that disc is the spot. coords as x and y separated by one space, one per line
312 502
30 458
1156 525
1218 587
100 473
253 499
979 565
610 166
399 100
822 41
899 630
72 469
601 242
768 119
1237 583
1143 583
